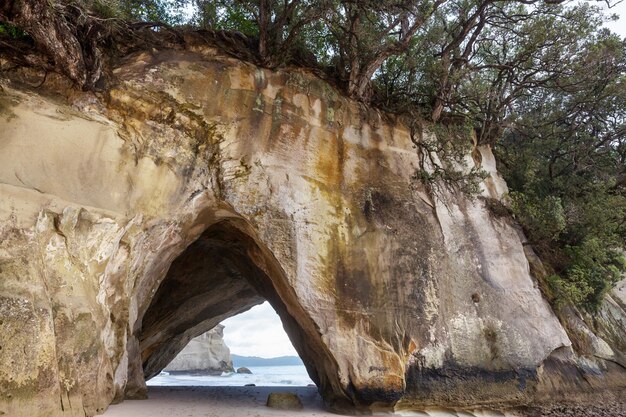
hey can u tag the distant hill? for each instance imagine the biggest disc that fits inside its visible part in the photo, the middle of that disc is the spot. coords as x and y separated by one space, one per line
248 361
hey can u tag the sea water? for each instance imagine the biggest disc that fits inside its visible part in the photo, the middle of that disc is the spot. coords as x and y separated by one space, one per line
268 376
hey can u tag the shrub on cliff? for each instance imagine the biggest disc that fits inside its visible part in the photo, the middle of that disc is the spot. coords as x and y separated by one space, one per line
564 157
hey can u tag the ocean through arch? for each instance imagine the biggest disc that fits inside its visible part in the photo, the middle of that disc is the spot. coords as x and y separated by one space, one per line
253 341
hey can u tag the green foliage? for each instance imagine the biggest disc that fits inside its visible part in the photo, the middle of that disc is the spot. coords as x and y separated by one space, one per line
171 12
168 11
225 15
440 178
443 155
592 270
12 31
597 266
568 290
402 82
106 9
544 217
564 157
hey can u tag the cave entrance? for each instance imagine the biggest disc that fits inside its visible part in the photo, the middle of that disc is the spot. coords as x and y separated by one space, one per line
253 341
220 275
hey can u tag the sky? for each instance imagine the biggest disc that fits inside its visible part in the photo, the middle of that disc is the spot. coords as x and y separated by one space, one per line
620 25
257 332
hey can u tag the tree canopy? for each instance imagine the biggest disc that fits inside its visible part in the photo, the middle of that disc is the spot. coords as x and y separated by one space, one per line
540 80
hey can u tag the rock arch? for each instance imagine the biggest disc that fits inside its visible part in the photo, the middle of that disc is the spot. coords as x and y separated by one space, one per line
224 272
391 294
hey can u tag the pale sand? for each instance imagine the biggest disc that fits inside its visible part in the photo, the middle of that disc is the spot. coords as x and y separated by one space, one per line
240 402
217 402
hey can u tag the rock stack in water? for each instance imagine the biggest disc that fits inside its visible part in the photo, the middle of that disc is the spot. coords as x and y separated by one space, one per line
205 354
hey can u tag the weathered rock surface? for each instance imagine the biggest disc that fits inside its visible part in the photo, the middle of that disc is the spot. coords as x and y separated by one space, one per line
206 353
195 186
284 401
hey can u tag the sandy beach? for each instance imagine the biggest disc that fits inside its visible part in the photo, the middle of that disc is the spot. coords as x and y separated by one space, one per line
243 402
216 402
250 402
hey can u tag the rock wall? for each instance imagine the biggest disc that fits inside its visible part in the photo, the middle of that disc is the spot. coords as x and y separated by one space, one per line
195 186
206 353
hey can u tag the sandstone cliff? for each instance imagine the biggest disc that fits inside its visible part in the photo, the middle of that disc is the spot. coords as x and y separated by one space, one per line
195 186
206 353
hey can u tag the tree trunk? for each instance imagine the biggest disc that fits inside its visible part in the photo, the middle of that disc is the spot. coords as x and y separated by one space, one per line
52 34
264 21
360 83
437 110
444 89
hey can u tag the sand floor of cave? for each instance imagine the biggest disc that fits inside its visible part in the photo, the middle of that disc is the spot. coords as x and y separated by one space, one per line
239 402
216 402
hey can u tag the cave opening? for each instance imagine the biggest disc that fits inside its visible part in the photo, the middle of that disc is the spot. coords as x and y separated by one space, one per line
249 349
222 274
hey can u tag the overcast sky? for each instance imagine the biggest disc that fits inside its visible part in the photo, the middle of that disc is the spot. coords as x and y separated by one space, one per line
620 25
259 332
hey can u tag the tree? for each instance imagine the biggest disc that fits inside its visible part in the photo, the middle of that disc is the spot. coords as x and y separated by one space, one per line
165 11
367 32
564 157
275 25
521 51
55 27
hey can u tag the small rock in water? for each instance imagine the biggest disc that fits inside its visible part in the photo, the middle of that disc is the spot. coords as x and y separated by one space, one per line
250 385
243 370
284 401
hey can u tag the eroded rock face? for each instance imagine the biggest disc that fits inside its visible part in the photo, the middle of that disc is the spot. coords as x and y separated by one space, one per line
284 401
196 186
206 353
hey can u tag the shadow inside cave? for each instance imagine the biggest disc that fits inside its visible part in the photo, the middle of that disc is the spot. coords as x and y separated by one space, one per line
222 274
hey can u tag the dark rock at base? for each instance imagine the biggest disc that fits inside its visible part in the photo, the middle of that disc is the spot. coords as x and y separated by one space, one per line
284 401
250 385
243 370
